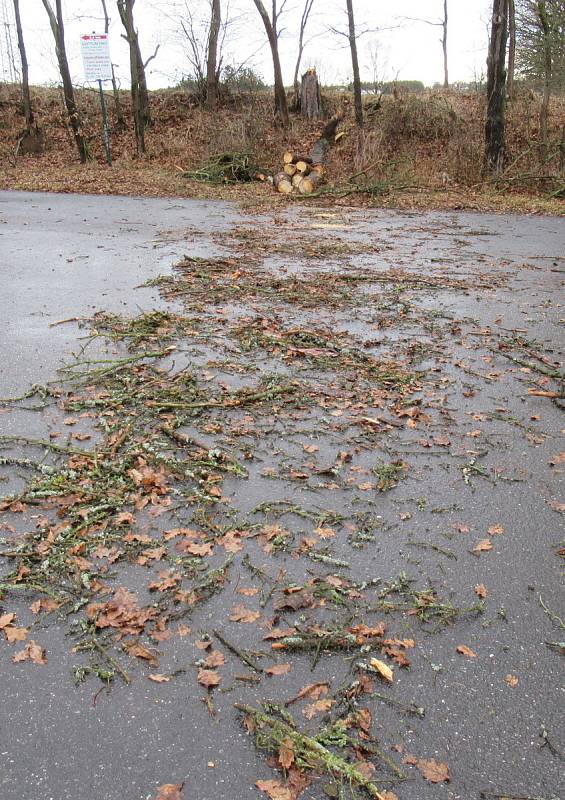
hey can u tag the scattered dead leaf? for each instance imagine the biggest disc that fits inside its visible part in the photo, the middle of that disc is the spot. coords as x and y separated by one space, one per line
170 791
208 678
319 707
465 651
286 752
483 546
494 530
312 690
383 669
137 650
31 652
14 634
215 658
275 790
278 669
241 614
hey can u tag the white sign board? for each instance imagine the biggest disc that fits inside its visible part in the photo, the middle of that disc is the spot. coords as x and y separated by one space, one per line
96 57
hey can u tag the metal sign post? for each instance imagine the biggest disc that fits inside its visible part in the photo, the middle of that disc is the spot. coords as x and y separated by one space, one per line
106 125
98 67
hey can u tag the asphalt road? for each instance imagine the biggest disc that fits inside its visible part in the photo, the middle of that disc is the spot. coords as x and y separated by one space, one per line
64 257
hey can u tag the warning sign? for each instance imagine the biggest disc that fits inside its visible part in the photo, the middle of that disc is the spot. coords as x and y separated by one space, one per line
95 50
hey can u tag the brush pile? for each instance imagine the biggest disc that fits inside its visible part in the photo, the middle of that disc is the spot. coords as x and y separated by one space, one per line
226 168
299 174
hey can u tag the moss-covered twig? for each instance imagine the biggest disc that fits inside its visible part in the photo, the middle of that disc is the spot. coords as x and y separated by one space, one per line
308 752
232 401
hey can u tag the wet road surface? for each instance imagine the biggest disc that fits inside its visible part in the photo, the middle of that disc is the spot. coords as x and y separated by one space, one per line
64 257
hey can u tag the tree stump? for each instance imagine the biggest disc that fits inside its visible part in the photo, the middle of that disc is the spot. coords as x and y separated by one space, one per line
310 97
31 141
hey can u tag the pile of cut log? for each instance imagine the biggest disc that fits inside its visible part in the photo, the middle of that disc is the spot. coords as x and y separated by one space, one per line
303 174
299 174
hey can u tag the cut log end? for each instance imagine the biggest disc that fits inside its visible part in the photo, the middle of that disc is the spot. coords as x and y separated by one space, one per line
290 169
309 184
288 158
302 167
282 183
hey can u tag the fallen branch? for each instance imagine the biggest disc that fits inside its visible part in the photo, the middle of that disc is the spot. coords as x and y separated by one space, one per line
550 373
308 750
229 402
57 448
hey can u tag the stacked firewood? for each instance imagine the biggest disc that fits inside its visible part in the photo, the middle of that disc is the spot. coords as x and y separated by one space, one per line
300 174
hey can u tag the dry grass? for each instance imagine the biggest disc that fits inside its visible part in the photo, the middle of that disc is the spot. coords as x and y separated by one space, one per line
431 144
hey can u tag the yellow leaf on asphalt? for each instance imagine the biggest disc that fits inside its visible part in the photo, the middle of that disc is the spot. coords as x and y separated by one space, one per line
383 669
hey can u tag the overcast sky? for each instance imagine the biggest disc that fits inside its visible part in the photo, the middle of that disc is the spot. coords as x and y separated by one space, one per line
393 45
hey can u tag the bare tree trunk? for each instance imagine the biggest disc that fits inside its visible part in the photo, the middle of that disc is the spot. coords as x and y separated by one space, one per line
139 98
120 121
444 47
142 78
281 107
547 74
355 64
26 96
303 22
57 27
496 88
212 56
511 48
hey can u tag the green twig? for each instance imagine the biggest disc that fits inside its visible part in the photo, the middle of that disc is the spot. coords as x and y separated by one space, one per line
240 654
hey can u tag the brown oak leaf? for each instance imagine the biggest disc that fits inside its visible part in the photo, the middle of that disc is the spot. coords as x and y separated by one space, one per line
278 669
14 634
241 614
275 790
170 791
483 546
31 652
494 530
465 651
319 707
312 690
286 752
208 678
139 651
434 771
215 658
